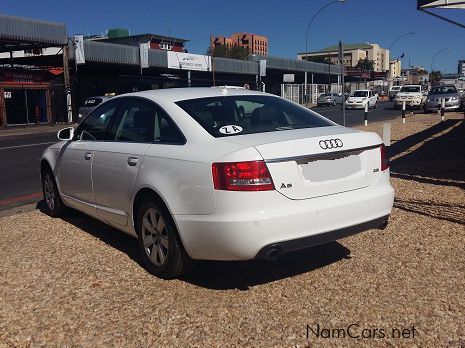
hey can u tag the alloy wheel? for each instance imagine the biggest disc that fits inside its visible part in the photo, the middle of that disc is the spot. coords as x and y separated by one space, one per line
49 192
155 237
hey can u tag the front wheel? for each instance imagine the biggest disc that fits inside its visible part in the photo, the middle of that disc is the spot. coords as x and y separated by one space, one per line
334 102
53 202
159 243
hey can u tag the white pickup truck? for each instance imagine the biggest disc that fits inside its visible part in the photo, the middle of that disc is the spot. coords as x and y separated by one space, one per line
412 95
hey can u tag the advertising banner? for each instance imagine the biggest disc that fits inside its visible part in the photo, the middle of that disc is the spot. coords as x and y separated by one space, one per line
144 55
187 61
79 49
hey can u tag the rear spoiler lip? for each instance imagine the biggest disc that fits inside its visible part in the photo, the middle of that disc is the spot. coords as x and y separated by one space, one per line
328 155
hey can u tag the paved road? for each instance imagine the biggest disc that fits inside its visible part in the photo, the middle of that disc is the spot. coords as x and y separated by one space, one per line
384 111
19 168
20 155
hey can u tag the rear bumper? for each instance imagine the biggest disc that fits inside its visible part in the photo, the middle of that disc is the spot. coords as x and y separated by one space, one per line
322 238
245 224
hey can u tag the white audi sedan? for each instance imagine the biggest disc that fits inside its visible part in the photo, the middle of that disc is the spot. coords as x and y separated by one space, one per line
218 174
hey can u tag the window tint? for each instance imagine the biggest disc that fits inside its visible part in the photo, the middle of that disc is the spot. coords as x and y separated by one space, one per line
246 114
94 126
359 94
414 89
443 90
142 121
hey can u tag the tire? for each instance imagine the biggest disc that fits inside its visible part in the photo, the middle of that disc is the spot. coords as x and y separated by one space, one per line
53 203
334 102
159 243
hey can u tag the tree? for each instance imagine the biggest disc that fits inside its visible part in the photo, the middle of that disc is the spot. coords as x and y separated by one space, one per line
365 64
435 77
234 52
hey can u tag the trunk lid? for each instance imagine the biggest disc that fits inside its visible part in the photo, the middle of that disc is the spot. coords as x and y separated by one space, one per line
308 163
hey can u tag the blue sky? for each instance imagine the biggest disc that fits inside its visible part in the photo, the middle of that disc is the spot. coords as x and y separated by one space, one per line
284 22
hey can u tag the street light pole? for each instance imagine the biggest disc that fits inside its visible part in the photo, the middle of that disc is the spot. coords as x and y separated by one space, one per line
390 50
399 37
306 37
313 18
437 53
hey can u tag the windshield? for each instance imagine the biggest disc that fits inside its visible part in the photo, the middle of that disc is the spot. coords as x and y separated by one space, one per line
359 94
247 114
443 90
414 89
93 101
395 88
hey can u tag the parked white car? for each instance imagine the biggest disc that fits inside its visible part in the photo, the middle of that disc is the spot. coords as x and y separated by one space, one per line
192 177
412 95
360 98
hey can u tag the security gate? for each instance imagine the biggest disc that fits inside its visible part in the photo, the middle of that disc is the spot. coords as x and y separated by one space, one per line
301 95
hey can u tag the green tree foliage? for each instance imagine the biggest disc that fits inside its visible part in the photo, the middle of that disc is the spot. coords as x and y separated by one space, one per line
435 77
365 64
234 52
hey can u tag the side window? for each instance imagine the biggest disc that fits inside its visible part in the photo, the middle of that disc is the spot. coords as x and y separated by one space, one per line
143 122
94 127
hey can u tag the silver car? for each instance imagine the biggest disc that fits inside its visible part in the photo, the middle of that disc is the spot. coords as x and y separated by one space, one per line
329 99
437 93
90 104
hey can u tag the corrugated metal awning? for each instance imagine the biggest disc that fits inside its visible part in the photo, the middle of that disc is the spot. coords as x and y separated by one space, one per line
293 65
17 33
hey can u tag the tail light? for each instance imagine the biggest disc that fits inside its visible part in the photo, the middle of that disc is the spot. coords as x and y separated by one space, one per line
384 157
242 176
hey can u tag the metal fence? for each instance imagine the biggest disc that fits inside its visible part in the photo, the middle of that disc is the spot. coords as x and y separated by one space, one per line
303 94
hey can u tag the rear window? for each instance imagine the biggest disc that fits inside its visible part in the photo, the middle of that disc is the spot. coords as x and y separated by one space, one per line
93 101
236 115
410 89
443 90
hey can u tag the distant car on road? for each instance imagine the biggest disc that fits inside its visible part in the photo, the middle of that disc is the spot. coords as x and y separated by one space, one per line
359 98
437 93
90 104
393 92
192 177
329 99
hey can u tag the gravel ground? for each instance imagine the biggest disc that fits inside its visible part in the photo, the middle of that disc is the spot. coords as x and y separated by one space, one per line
77 282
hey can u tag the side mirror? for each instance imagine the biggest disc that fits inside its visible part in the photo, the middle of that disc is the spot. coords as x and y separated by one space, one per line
66 133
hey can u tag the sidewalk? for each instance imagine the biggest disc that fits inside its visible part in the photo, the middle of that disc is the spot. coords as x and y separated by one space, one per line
23 130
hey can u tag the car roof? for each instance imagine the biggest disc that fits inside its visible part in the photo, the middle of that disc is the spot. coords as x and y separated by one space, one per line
177 94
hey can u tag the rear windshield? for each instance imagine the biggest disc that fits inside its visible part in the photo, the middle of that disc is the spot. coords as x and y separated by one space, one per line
93 101
443 90
410 89
360 94
236 115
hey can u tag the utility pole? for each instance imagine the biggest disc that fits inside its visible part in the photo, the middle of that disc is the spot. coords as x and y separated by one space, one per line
67 84
212 60
341 57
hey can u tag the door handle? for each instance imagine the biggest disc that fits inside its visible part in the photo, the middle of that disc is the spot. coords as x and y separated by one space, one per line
132 161
88 156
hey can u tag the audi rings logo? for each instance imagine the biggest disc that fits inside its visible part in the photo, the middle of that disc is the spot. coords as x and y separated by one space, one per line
331 144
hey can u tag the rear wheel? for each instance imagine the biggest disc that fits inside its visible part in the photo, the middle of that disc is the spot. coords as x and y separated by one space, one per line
159 243
53 202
